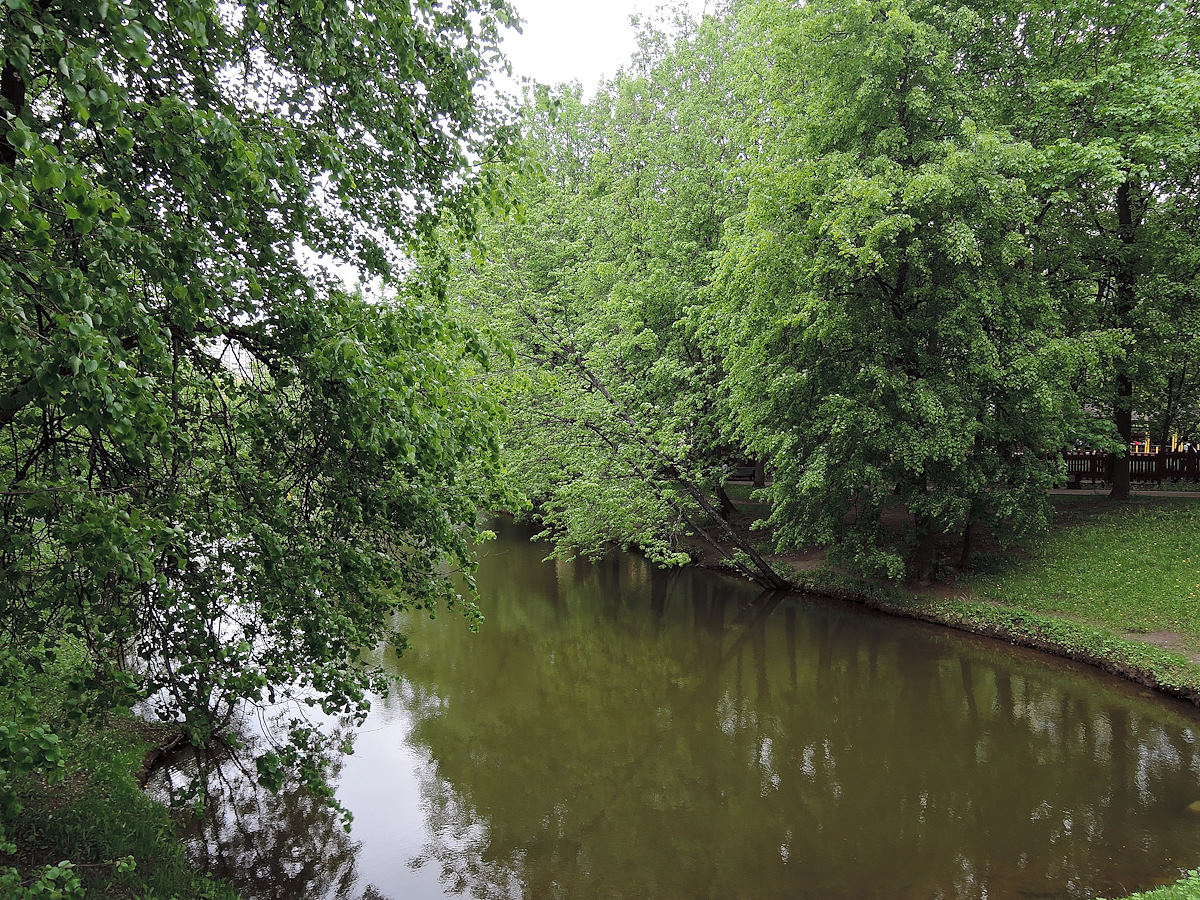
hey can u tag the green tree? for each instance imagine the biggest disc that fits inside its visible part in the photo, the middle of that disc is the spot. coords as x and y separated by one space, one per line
1110 94
619 427
221 473
892 344
1168 353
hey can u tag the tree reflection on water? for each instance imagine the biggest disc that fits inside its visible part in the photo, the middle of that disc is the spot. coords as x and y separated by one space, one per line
271 846
687 739
616 732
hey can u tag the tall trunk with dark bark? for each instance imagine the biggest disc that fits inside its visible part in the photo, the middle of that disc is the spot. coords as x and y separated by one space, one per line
727 505
970 530
1123 312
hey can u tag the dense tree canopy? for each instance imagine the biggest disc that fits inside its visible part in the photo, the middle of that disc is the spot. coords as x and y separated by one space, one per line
1110 95
892 341
618 425
903 251
221 472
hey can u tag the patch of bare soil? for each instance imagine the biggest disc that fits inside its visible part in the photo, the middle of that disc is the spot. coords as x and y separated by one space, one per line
938 590
801 559
1165 640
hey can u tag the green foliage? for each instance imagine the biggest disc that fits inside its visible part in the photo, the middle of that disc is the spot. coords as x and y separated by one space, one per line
57 882
221 474
89 808
1108 96
890 337
826 237
617 429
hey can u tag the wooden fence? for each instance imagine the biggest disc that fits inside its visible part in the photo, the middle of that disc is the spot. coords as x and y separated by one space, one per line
1094 467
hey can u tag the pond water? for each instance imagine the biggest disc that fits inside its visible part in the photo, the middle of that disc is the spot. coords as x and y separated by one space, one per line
617 732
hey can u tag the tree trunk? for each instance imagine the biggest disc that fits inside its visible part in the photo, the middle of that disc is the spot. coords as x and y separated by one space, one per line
760 473
730 543
968 542
925 555
727 506
1125 298
156 756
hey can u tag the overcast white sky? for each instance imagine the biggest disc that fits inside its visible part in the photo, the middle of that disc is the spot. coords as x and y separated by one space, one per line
576 40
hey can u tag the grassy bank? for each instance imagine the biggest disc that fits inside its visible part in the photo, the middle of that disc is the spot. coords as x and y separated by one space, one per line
1132 568
119 843
1116 585
1187 888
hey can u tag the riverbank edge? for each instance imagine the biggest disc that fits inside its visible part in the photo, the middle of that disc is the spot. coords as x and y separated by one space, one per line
1164 671
1157 668
115 838
1187 888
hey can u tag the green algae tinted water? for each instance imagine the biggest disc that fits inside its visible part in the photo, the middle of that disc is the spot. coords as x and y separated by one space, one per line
616 732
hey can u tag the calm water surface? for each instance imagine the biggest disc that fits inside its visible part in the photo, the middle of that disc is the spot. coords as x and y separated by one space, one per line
616 732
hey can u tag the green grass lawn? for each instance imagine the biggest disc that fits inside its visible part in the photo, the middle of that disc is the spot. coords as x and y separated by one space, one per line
1128 567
